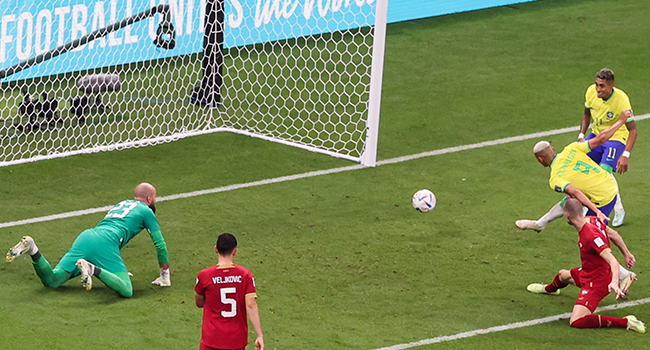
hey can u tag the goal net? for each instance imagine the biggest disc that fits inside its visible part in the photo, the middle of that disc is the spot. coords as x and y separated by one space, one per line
94 76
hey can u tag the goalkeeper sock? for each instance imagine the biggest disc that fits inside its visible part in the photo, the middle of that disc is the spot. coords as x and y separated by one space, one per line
33 251
555 285
598 321
50 278
119 282
556 212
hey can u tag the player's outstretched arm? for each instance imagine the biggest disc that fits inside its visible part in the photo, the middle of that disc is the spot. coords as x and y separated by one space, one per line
164 280
577 194
616 238
584 124
613 264
606 134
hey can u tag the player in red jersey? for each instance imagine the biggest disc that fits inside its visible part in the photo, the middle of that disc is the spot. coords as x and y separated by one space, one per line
226 292
598 275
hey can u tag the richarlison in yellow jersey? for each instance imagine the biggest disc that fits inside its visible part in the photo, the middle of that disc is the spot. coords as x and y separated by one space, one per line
573 166
604 113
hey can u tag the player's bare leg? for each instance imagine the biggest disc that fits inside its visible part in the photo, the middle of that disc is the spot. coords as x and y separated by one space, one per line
538 225
619 212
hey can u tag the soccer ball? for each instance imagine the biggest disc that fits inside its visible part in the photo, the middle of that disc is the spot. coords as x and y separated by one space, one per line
424 200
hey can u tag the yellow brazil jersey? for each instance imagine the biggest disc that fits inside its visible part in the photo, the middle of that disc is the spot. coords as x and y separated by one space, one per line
604 113
573 166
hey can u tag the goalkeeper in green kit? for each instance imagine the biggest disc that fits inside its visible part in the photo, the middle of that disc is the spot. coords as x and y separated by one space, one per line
96 251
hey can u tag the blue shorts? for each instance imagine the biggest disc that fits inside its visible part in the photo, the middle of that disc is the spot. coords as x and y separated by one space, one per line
605 209
607 154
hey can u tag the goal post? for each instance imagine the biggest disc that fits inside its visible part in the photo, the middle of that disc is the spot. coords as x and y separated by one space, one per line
369 154
305 73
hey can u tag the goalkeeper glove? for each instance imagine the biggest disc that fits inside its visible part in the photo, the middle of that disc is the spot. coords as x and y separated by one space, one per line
164 279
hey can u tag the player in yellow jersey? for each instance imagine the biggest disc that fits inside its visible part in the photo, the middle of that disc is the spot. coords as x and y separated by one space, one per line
574 173
604 105
607 106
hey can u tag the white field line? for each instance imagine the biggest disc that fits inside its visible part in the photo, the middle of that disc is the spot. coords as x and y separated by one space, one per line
308 174
509 326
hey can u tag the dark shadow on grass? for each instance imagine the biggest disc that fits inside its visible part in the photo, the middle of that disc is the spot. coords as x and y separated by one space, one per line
100 293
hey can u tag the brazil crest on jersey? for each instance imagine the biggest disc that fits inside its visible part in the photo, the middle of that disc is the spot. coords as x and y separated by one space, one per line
604 113
573 166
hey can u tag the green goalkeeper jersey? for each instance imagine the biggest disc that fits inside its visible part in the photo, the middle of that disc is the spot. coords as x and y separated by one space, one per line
127 219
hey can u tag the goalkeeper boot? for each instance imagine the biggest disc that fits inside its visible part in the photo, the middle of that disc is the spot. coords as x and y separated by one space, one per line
635 325
87 269
528 225
540 288
26 245
626 282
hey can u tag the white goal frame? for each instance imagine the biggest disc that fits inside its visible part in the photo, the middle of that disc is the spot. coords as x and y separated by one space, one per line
212 113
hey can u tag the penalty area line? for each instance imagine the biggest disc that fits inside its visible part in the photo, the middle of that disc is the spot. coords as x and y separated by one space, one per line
508 327
308 174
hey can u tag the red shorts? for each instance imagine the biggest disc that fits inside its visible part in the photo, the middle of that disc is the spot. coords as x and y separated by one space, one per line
205 347
591 293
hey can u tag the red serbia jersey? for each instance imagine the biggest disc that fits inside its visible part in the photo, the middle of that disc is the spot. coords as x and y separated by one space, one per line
225 325
593 241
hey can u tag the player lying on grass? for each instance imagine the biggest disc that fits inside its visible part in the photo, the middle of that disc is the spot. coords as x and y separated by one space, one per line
597 276
576 175
96 251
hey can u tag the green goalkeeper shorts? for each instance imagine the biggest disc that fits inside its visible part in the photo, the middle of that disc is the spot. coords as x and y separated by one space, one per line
98 248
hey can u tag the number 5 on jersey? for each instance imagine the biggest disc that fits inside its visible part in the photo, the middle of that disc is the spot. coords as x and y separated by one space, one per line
228 301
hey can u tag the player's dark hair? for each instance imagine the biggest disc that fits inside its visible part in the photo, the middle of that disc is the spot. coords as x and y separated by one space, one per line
226 243
605 74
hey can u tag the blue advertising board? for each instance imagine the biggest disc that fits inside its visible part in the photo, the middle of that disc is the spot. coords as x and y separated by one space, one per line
404 10
32 27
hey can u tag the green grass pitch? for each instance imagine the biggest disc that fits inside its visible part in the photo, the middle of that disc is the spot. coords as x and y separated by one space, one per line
342 261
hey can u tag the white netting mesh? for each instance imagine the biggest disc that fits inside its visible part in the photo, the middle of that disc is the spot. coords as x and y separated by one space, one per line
296 72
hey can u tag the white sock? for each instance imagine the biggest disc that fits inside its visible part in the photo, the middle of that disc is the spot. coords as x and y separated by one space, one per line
33 249
556 212
619 203
622 272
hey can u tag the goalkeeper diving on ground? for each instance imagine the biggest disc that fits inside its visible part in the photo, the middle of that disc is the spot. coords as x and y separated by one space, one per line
96 251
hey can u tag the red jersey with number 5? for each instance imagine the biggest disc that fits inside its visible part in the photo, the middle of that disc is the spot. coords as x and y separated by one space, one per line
593 242
225 324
